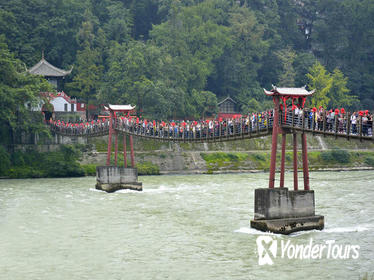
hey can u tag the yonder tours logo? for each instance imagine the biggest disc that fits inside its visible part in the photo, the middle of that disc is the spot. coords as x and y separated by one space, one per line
267 249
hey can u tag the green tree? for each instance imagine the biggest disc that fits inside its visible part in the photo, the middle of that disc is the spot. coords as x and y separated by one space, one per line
302 63
19 92
339 93
194 37
331 88
118 27
89 68
204 102
287 57
237 68
321 81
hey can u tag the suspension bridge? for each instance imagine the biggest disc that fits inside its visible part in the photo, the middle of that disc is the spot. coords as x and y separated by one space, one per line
276 209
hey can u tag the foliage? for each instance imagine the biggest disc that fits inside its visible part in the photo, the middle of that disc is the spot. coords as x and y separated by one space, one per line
170 58
33 164
339 93
321 81
331 88
259 157
4 161
17 89
369 161
221 156
89 169
336 156
287 77
147 168
215 161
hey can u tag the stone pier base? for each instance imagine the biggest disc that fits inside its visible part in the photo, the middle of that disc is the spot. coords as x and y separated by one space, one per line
282 211
113 178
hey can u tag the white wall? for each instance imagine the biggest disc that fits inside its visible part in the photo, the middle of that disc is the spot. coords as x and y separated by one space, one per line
59 105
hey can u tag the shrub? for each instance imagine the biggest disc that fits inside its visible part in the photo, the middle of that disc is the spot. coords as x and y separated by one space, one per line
259 157
33 164
17 158
220 156
148 168
89 169
4 161
24 172
369 161
336 156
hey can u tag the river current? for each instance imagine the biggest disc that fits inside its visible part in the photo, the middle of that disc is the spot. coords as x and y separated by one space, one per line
179 227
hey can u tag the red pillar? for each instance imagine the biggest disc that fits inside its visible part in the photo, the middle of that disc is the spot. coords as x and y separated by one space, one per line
116 148
110 139
132 152
295 183
274 143
305 162
283 160
124 151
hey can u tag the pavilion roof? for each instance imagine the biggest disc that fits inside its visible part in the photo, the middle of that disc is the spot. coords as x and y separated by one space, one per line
227 98
295 92
121 108
44 68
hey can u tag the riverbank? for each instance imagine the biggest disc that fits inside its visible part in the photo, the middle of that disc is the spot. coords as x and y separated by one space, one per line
160 158
218 162
342 169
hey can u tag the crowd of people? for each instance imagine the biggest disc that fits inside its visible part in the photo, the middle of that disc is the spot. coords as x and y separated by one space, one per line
338 121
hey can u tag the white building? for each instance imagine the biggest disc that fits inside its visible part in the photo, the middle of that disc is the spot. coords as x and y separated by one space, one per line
57 102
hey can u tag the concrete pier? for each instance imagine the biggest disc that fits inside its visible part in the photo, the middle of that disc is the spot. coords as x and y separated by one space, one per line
113 178
282 211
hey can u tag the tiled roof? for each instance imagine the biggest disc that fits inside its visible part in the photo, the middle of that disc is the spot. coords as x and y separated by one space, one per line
227 98
289 91
120 107
44 68
51 96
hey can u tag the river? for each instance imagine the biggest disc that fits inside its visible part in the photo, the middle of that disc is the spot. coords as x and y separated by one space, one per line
179 227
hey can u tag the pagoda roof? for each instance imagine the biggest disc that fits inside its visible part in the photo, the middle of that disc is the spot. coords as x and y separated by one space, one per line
44 68
122 108
294 92
228 98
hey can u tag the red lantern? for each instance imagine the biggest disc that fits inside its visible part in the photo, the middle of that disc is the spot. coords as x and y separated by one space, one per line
314 109
342 110
337 111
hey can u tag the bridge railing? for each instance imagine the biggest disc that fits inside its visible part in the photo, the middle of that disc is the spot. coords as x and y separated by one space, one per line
97 129
201 131
322 122
328 122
